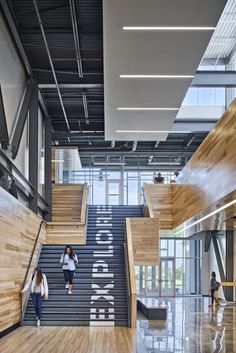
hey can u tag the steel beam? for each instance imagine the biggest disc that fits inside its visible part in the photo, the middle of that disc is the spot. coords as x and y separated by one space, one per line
51 63
21 118
214 79
207 241
4 137
48 165
88 83
16 37
219 261
33 148
76 36
85 107
229 266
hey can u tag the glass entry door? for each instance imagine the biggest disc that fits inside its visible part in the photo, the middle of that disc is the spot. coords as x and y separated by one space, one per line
157 281
167 278
113 192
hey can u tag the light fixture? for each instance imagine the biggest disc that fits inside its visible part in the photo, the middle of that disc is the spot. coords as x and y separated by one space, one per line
58 160
153 131
109 163
163 163
157 76
147 108
168 28
208 216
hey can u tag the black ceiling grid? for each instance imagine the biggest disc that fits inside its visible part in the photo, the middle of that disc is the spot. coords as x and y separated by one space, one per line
85 116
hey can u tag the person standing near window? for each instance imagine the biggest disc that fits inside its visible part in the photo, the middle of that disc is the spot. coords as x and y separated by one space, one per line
39 289
159 179
214 286
68 261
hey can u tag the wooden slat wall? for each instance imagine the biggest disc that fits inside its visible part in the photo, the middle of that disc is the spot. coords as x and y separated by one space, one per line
67 202
210 174
18 229
146 240
208 179
159 201
65 234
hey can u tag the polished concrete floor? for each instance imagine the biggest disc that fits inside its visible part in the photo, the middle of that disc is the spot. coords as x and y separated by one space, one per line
191 327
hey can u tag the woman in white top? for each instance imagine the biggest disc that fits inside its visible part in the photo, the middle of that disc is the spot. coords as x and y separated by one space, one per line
39 289
68 260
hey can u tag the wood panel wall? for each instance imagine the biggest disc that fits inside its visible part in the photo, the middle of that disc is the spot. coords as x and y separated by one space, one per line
159 201
66 233
18 229
145 240
207 181
67 202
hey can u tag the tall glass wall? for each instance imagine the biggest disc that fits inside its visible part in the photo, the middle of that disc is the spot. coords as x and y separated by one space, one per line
104 183
179 272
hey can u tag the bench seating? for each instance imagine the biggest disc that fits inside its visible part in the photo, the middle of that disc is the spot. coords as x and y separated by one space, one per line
152 308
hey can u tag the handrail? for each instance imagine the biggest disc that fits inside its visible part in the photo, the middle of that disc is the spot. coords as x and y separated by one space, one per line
29 265
130 275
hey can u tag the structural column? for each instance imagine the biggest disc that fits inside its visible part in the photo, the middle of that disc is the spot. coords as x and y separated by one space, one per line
229 265
48 165
33 147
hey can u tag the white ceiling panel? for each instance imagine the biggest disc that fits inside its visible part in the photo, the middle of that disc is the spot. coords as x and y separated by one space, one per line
151 52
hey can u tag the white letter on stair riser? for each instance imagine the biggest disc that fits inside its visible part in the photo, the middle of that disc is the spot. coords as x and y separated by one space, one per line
103 209
101 314
102 292
101 274
103 253
106 233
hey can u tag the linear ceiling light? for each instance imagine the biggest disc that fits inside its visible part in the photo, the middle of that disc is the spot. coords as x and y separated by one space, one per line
109 163
157 76
208 215
153 131
58 160
167 28
163 163
146 108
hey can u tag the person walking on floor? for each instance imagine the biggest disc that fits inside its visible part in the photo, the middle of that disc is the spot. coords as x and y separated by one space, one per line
214 286
39 290
68 261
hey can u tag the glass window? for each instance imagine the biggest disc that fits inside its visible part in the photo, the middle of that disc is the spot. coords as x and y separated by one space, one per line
191 97
206 96
220 96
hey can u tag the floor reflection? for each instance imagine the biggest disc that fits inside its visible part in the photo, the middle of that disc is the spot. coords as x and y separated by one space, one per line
190 327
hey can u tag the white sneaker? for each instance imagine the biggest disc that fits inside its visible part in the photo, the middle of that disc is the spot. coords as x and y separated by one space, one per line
67 286
38 323
69 292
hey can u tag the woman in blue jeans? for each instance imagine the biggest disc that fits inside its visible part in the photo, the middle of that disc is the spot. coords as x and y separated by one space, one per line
39 290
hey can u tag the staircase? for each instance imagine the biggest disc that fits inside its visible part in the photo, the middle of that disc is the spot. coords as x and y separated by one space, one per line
99 291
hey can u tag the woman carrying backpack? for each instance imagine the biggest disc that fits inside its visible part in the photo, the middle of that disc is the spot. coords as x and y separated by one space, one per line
214 286
68 261
39 290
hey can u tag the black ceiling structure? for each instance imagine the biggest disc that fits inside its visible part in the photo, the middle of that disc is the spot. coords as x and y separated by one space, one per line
63 41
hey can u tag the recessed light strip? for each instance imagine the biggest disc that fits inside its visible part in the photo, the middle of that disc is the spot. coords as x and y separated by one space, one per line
147 108
208 215
157 76
168 28
153 132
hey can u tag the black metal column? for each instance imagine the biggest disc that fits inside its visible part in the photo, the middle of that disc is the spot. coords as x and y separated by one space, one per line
4 137
33 147
48 165
229 266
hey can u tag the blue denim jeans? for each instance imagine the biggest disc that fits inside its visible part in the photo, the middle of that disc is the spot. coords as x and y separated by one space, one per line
37 302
